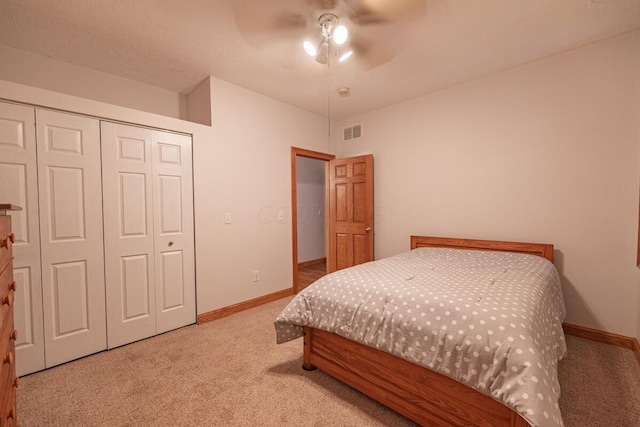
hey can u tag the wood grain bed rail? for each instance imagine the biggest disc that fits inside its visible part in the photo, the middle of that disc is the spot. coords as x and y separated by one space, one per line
424 396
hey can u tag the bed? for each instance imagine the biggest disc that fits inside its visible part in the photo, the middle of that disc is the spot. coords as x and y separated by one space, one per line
442 380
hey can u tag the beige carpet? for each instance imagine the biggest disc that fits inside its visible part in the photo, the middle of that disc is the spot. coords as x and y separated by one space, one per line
231 373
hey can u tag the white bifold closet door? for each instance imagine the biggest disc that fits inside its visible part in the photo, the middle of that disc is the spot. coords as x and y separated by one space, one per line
148 226
72 256
18 185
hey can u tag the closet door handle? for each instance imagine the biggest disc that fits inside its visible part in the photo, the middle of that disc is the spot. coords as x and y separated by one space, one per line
171 243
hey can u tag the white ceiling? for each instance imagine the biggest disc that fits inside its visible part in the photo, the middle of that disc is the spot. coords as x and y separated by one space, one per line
176 44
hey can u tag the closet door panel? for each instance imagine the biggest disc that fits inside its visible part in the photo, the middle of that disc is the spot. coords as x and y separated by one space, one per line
174 236
70 194
70 294
18 175
66 204
128 217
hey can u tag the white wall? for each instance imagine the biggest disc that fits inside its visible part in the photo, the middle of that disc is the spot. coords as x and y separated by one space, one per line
311 209
545 152
46 73
241 165
245 169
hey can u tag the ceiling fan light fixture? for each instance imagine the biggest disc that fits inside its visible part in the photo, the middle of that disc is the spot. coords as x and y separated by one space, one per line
332 35
340 34
323 53
310 48
345 56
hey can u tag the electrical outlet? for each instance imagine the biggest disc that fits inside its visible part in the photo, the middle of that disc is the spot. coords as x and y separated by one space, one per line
256 276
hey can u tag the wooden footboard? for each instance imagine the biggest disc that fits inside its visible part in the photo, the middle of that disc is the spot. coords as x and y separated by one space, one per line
422 395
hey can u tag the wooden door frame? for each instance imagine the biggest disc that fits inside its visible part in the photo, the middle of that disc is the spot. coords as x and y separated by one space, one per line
295 152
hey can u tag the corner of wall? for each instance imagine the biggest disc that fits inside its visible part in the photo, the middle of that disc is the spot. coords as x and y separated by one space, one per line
198 103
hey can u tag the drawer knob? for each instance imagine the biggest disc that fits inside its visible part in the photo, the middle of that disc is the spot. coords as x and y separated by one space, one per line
13 286
7 241
9 358
8 299
14 335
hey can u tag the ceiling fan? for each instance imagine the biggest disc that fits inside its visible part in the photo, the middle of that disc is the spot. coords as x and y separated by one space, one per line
371 31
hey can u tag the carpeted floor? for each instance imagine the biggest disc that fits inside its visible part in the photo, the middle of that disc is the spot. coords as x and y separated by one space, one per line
230 372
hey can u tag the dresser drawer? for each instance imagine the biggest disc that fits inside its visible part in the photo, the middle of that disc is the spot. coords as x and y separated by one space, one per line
5 245
8 408
7 294
7 341
8 382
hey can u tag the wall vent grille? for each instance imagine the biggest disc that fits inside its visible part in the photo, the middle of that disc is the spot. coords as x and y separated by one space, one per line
352 132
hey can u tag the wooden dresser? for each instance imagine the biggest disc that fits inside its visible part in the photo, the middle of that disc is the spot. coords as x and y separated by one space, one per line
8 335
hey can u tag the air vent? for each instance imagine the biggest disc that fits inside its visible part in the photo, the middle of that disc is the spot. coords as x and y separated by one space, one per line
352 132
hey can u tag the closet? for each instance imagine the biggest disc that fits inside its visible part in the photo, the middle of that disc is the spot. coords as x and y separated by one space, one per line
148 223
104 251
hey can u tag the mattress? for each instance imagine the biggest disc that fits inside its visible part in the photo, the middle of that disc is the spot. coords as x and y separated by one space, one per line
490 320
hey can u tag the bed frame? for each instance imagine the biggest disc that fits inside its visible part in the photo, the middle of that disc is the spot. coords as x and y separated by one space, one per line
424 396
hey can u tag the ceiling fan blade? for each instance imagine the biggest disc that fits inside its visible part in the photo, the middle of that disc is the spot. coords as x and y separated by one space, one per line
322 5
375 17
397 9
262 23
369 55
367 12
371 51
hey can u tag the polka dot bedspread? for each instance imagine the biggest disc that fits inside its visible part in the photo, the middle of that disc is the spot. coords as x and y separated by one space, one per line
490 320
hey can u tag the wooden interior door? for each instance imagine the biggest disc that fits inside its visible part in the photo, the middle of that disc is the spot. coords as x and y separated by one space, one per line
72 255
19 186
350 212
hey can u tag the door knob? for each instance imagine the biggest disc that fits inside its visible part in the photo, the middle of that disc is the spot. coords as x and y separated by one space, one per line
7 241
9 358
368 229
171 243
8 300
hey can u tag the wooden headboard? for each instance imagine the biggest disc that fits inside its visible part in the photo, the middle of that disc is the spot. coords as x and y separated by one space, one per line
540 249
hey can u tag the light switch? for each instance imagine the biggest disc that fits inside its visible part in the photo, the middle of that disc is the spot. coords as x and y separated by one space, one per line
280 215
227 217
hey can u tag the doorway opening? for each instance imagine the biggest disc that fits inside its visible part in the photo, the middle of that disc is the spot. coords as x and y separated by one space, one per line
309 173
